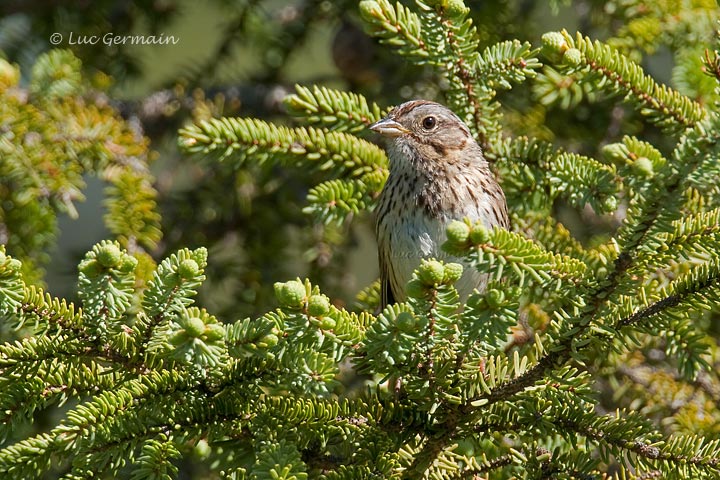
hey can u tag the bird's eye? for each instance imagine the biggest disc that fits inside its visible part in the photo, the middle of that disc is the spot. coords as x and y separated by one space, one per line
428 123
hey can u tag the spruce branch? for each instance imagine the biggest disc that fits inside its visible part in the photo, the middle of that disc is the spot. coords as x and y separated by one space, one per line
12 287
486 322
26 357
692 165
637 161
500 65
131 208
278 460
671 24
106 285
155 460
695 156
361 166
242 139
55 75
474 77
168 294
252 337
500 386
46 313
622 435
26 458
175 282
698 289
681 456
711 62
500 252
193 338
443 35
534 174
608 69
97 420
59 130
692 238
605 430
563 89
334 200
368 299
691 293
563 348
486 467
306 312
334 109
38 372
646 222
582 180
396 26
453 40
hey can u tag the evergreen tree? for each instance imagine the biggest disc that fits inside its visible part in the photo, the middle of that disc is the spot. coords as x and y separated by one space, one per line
582 359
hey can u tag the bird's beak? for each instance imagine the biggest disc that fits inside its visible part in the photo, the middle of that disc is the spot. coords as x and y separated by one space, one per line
388 127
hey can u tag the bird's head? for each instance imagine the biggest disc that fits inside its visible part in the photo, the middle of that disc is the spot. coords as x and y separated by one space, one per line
424 125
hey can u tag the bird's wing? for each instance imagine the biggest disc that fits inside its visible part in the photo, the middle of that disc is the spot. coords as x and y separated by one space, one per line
386 293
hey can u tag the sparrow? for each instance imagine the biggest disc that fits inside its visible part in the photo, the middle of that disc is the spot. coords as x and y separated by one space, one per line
437 174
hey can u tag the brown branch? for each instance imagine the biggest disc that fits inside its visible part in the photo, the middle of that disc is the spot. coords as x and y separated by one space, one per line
466 76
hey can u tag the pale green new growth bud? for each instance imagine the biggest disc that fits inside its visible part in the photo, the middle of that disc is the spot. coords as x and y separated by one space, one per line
214 331
128 263
90 267
188 268
456 7
458 232
554 41
572 57
431 272
194 326
610 204
643 166
554 45
318 305
453 272
479 234
406 322
290 294
451 7
109 255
